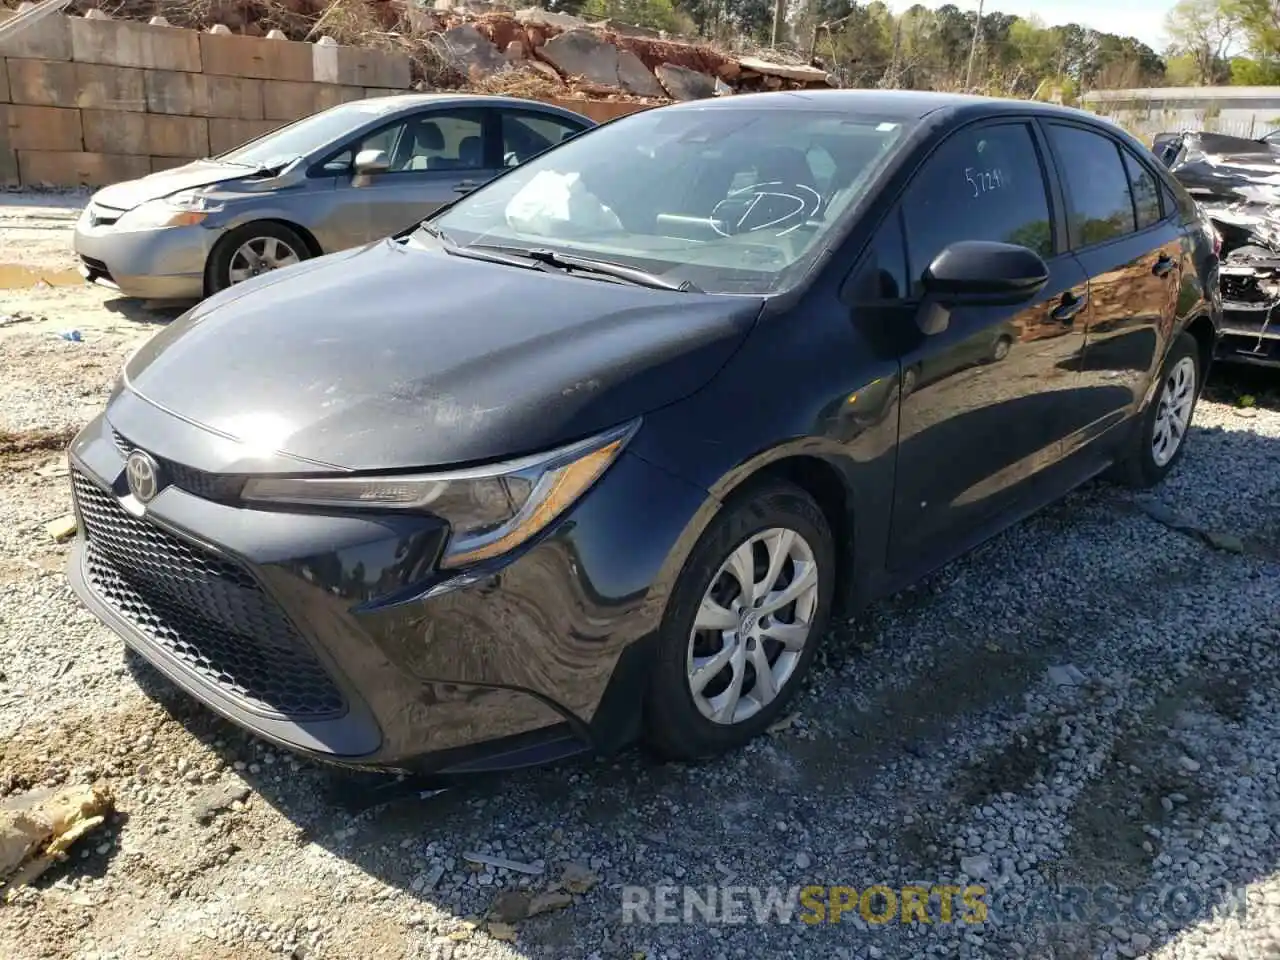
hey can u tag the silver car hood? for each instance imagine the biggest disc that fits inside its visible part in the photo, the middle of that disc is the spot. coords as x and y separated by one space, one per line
198 173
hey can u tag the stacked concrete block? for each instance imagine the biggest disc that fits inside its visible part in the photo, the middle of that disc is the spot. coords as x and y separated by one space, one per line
96 100
49 83
65 168
43 128
289 100
124 43
142 134
226 134
232 56
355 66
202 95
47 39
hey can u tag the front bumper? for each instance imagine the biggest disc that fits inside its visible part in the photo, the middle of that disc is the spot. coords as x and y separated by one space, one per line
335 636
159 264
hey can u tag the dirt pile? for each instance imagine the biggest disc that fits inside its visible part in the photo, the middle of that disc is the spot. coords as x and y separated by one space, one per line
490 47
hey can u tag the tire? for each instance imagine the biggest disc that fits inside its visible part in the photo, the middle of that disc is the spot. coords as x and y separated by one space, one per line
676 727
261 236
1144 464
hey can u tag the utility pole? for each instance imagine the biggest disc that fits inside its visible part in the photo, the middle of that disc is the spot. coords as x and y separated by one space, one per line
973 49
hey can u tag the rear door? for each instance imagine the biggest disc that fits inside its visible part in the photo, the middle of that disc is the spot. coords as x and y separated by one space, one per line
1130 247
981 402
527 133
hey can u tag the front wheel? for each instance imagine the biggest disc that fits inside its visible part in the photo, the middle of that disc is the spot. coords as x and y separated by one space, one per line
742 623
251 250
1159 442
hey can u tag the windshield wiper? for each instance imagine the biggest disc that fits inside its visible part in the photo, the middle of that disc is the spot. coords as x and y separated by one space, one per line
451 247
604 268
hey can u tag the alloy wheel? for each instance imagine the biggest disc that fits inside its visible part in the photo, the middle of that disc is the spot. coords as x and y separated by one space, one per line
752 625
1173 415
260 255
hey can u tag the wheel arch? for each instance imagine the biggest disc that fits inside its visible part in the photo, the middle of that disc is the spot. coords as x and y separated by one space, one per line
810 464
1205 334
313 245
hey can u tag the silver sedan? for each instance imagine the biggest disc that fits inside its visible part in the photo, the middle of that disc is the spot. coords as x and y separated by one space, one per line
336 179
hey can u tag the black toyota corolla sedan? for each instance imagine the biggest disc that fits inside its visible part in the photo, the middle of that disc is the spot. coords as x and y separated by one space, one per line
596 452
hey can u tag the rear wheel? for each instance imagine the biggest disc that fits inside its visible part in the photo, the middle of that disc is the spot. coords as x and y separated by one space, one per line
742 624
251 250
1161 439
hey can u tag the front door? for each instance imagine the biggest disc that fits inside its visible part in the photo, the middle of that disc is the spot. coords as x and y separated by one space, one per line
433 156
1132 253
981 402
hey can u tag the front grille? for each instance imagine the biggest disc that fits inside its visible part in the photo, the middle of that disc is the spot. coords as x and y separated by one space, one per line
100 216
225 488
206 611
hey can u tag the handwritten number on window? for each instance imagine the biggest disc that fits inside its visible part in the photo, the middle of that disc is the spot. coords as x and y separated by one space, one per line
984 181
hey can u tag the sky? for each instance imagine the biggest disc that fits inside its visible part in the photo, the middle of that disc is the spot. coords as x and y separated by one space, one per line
1143 19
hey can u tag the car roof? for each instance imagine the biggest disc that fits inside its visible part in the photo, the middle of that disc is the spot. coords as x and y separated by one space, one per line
901 104
412 101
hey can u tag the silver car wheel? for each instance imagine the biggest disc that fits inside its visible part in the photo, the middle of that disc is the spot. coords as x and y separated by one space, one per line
260 255
1173 415
752 625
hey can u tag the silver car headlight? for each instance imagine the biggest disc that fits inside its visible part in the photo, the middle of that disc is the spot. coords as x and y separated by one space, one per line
184 209
490 510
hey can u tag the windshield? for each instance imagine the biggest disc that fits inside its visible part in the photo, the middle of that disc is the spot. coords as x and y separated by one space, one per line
304 136
732 201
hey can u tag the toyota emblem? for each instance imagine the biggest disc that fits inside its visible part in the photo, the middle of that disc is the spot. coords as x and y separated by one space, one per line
143 475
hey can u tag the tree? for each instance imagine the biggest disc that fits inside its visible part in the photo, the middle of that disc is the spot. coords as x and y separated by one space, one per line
1204 30
1259 22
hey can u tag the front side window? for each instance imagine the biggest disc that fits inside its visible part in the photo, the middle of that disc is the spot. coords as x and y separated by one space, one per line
1101 202
726 199
441 141
983 183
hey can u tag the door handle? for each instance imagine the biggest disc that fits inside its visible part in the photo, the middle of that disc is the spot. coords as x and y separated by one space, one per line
1066 310
465 186
1163 265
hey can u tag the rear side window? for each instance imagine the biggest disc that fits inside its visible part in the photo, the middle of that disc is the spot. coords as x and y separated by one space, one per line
983 183
1101 203
1146 195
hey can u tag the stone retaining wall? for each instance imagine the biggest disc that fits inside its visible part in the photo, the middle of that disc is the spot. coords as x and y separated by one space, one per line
88 101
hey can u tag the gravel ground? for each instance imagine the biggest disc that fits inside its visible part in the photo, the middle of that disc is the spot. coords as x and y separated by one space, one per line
1086 705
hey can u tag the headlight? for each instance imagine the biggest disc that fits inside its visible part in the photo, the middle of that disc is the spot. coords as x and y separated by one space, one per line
490 510
179 210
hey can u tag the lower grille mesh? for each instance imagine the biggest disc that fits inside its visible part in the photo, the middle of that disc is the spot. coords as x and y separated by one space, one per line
207 612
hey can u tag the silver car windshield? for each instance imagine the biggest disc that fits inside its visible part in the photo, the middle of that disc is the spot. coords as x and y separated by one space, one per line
732 201
304 136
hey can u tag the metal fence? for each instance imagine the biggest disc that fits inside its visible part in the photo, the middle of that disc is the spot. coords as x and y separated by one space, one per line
1237 111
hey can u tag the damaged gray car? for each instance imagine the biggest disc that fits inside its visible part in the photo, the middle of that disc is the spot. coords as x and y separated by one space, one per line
1236 183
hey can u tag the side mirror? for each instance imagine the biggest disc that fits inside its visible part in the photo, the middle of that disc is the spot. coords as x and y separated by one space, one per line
979 273
371 162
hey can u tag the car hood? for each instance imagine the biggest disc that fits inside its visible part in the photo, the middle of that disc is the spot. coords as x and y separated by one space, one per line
200 173
396 355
